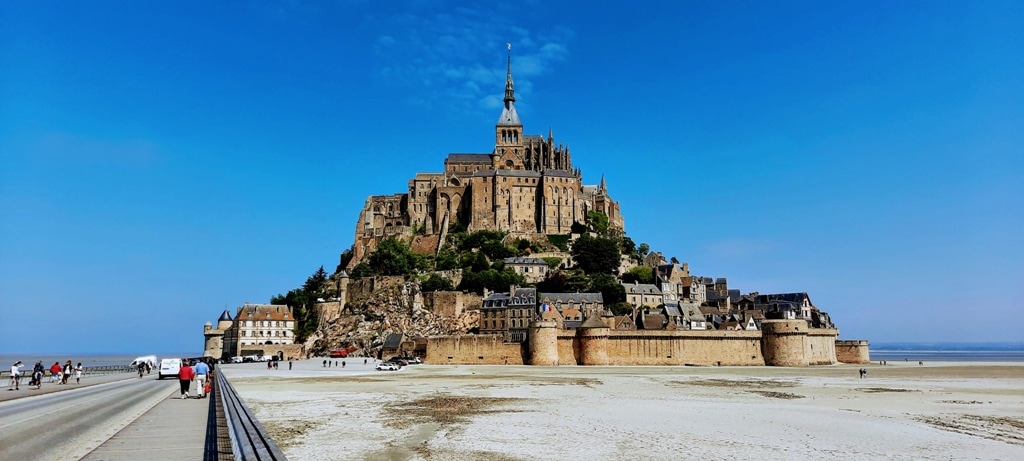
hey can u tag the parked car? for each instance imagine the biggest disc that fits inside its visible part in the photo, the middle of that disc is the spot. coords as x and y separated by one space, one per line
387 366
398 361
414 360
168 368
236 359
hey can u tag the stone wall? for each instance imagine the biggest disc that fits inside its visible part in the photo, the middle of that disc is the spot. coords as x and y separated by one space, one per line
855 351
451 303
821 343
785 346
474 350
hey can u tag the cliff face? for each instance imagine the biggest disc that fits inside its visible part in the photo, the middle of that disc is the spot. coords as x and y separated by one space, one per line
378 307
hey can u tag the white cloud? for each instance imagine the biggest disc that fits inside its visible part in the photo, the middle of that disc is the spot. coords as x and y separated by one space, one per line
459 55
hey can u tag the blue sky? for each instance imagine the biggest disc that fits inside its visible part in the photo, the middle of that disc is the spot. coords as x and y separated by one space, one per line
162 162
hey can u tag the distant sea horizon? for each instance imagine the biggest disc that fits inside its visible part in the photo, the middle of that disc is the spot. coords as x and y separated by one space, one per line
947 351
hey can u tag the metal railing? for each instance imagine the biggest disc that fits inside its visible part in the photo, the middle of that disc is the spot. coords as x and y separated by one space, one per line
249 440
26 374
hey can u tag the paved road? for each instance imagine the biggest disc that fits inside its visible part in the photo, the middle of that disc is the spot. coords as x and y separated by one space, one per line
70 424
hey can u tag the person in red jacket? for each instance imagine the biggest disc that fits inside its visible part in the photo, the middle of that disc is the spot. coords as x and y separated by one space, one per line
55 372
185 377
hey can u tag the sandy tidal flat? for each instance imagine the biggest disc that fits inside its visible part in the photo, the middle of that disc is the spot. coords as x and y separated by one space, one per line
438 412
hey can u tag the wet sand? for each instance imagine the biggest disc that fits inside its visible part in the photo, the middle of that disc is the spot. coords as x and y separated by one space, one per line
942 410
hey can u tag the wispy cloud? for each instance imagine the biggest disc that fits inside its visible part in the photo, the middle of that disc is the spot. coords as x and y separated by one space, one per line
458 56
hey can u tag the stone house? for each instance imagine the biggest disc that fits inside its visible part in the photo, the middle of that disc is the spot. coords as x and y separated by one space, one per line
643 294
533 270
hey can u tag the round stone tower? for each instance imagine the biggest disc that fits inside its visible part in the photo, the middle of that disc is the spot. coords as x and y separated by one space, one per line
593 336
784 343
543 341
225 322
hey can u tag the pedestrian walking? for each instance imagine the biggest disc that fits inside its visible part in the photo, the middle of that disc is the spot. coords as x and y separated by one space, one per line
37 374
289 365
68 369
325 364
15 376
185 377
202 371
343 364
78 373
55 372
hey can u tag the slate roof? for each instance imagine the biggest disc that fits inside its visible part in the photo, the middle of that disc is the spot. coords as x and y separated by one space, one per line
525 261
673 310
393 341
653 321
797 298
524 297
469 158
641 288
226 315
264 312
495 301
572 324
572 297
510 173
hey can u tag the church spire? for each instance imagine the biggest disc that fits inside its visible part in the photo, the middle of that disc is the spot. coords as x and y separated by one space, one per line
510 94
509 117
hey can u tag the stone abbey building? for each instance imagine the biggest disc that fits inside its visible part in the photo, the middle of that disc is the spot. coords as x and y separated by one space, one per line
525 186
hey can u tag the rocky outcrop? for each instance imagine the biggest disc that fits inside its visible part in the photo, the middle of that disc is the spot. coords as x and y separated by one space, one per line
377 308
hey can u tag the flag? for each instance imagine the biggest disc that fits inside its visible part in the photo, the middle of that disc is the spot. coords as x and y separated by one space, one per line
544 307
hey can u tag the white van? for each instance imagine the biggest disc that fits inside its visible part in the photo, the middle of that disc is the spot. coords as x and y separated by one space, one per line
169 367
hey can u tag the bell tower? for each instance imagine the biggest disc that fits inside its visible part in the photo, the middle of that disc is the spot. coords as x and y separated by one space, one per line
508 139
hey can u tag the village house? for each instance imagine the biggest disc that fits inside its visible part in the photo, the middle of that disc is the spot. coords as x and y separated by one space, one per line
533 270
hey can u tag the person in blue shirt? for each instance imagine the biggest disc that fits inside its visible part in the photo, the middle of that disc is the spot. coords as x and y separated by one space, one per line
202 373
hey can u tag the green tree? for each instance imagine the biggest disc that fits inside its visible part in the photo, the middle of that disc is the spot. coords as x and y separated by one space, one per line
597 222
553 261
346 257
642 251
317 282
447 259
628 246
393 257
596 255
361 270
491 279
570 281
639 274
436 282
621 308
611 290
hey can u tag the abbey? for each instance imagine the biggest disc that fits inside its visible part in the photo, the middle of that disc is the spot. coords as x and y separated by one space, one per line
526 186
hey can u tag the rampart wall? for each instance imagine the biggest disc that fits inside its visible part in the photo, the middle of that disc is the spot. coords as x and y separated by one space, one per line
853 351
789 343
474 350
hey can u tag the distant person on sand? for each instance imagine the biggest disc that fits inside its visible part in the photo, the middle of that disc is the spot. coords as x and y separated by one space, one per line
78 373
343 364
55 373
325 364
185 377
289 364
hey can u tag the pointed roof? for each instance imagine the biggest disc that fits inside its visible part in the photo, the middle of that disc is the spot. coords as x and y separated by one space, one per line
509 117
226 315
